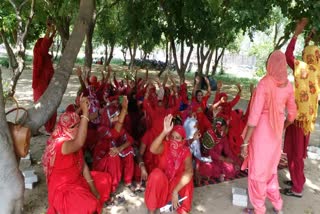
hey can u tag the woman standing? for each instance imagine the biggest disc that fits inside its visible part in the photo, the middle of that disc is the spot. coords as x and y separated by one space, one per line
262 142
173 177
72 188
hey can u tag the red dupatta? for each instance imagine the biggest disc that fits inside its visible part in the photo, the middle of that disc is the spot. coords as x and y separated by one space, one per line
176 153
65 131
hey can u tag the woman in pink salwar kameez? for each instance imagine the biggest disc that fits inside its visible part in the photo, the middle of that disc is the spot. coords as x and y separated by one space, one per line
263 138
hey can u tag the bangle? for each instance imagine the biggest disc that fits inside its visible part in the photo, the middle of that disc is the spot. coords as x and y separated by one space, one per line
119 122
245 144
141 163
85 117
90 181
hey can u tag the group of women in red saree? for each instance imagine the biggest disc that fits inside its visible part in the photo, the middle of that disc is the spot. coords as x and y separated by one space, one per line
140 131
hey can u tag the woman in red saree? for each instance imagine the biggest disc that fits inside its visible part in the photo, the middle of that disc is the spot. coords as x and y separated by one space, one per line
173 177
72 188
43 70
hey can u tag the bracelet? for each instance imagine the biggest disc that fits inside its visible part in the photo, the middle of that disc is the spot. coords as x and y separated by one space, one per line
90 181
119 122
141 163
245 144
85 117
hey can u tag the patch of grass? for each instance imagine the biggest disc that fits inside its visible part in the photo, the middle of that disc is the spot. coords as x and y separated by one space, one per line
117 61
232 79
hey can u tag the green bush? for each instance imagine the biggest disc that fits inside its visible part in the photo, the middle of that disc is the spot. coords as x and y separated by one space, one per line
116 61
4 62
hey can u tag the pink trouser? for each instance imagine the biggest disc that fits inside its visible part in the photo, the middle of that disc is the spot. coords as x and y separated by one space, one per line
259 191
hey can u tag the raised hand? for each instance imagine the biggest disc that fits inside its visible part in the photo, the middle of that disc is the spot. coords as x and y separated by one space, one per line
124 103
84 104
219 84
207 80
239 87
79 71
167 124
300 26
198 79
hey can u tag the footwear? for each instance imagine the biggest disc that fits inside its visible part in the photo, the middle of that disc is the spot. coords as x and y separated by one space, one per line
132 190
248 211
277 211
289 192
288 183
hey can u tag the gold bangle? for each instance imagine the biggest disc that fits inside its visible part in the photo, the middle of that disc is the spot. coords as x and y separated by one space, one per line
90 181
85 117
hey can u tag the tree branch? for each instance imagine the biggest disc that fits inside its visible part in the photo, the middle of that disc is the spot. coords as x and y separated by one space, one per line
13 3
12 59
22 4
26 28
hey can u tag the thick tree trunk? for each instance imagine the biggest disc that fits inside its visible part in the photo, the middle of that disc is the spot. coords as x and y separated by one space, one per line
88 48
51 99
11 179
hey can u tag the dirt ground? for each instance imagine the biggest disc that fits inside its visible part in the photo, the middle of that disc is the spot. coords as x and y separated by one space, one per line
208 199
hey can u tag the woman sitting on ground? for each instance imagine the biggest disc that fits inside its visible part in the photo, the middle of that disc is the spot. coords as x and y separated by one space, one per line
173 177
72 188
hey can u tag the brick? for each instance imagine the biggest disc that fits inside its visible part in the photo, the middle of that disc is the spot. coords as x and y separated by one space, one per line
239 197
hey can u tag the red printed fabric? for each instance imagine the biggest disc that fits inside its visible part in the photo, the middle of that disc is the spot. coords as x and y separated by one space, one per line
68 191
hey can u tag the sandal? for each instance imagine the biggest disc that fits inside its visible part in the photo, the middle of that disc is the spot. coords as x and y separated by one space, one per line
132 190
288 183
248 211
277 211
121 200
289 192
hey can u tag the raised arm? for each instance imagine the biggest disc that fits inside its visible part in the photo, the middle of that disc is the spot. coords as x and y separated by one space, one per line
157 145
79 74
290 49
196 86
77 143
208 87
123 114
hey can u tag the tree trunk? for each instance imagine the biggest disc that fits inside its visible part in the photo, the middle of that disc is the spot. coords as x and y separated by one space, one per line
182 68
132 51
108 57
216 60
201 57
11 179
58 49
63 27
167 59
51 99
124 53
17 58
209 62
88 48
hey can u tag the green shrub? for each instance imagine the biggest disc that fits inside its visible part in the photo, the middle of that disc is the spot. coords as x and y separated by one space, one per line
4 62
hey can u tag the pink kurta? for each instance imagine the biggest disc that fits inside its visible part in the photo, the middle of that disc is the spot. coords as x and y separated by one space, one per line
265 147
